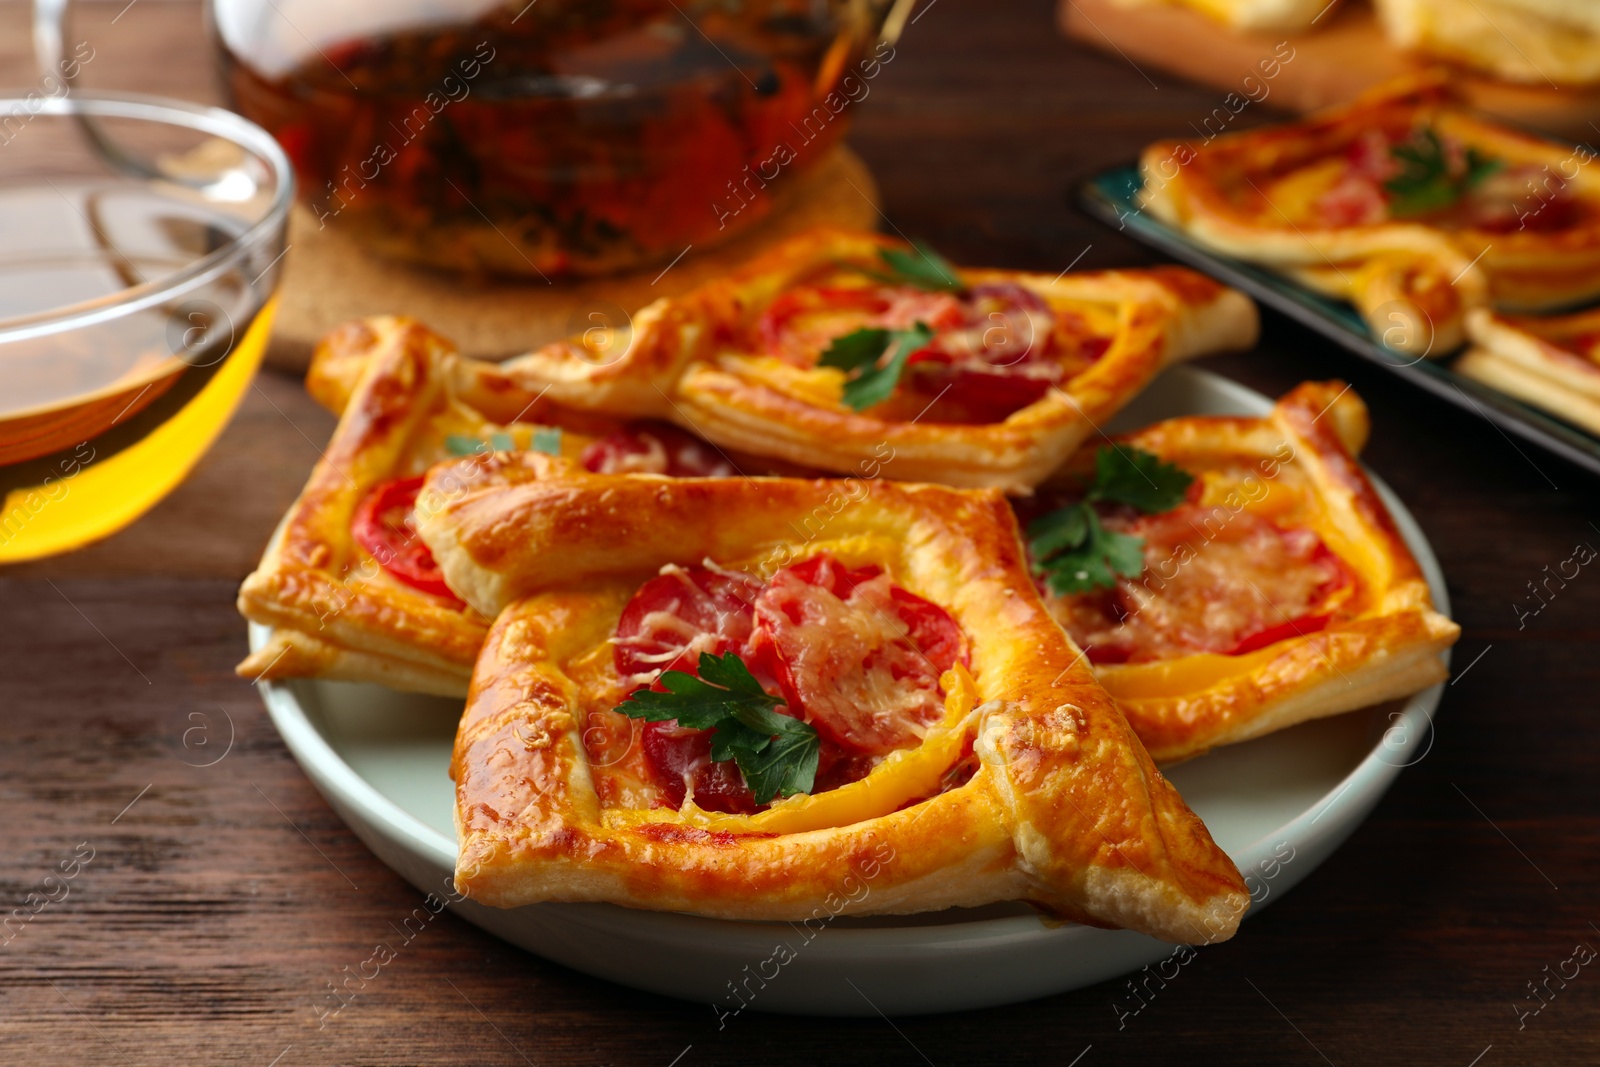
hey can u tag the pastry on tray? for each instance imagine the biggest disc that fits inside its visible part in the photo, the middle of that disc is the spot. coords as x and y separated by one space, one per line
1404 202
721 696
838 349
1551 361
350 591
1229 577
1539 42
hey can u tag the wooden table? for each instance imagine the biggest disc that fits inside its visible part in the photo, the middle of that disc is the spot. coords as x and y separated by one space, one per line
221 900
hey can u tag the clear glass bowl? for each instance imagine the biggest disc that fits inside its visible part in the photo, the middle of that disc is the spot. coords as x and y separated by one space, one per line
549 139
143 242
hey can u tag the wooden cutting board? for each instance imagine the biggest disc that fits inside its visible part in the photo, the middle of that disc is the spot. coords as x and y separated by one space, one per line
329 279
1345 55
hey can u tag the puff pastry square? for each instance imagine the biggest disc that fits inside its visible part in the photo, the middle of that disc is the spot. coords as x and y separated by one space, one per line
1028 784
1022 367
1280 592
407 401
1551 362
1506 219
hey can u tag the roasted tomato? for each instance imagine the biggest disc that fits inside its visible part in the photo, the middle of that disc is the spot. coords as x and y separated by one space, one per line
855 655
383 526
1210 585
679 614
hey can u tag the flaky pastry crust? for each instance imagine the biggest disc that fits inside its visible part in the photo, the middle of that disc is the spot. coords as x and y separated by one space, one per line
675 361
1413 281
335 613
1547 361
1064 810
1301 473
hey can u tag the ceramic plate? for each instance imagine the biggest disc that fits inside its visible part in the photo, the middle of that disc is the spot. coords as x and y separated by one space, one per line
1111 198
1279 805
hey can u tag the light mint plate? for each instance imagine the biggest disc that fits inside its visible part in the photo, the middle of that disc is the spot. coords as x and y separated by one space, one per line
1279 805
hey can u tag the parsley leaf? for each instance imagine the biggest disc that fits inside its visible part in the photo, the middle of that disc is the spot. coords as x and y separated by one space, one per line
462 444
777 754
1074 552
1139 479
855 349
547 439
1058 531
920 268
923 268
1093 560
1430 179
861 352
785 766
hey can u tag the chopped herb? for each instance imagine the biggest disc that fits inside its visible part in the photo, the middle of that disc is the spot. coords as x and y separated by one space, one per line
1074 552
1430 178
921 267
460 444
547 439
1139 479
777 754
860 355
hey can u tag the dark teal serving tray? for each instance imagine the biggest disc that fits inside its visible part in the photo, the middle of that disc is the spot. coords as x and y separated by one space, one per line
1110 197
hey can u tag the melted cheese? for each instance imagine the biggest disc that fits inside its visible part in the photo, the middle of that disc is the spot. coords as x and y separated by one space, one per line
855 670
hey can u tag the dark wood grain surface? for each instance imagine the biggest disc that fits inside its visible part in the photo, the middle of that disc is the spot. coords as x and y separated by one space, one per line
221 900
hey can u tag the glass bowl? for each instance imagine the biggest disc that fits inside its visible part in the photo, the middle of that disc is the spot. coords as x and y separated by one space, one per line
143 246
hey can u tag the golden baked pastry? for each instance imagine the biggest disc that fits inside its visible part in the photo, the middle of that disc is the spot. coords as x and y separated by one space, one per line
1277 591
844 351
1403 202
407 400
959 750
1551 361
1540 42
1254 16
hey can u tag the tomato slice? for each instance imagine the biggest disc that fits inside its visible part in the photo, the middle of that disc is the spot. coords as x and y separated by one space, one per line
1213 582
677 615
854 659
681 757
928 626
669 623
780 328
1003 357
383 525
802 322
1305 624
650 447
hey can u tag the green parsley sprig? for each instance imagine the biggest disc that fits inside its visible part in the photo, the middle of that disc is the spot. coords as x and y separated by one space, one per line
777 754
922 268
1430 179
860 354
1074 552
